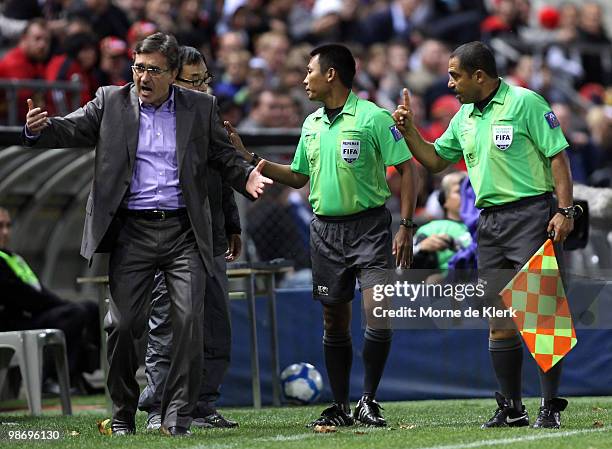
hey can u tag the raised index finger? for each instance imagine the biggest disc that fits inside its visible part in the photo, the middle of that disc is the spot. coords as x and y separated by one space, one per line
406 95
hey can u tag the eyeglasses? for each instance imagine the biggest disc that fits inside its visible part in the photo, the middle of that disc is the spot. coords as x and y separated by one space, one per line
208 78
153 71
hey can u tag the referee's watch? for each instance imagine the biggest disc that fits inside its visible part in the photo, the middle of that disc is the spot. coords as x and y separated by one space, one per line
568 212
407 222
255 159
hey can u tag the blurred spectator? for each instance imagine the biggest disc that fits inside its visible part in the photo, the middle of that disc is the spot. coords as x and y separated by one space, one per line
250 17
137 32
27 61
105 18
442 111
272 47
80 63
230 42
455 21
194 23
160 13
521 72
374 70
134 9
583 154
599 122
28 304
114 62
563 57
290 111
429 63
594 40
395 77
503 20
437 241
235 76
395 21
265 112
229 110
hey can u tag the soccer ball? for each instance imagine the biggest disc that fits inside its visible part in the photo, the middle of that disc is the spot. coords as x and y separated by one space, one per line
302 383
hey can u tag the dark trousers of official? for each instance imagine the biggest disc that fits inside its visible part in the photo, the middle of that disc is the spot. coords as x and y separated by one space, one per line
143 246
217 343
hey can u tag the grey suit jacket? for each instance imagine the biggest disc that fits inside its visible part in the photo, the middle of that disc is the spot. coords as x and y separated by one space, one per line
110 122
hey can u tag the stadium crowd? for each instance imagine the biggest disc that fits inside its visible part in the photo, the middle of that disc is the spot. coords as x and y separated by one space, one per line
258 51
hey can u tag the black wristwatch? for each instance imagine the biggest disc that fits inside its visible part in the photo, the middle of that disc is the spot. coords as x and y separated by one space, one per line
568 212
407 222
255 159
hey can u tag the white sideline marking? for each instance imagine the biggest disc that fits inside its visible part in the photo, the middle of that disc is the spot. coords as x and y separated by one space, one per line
279 438
503 441
300 436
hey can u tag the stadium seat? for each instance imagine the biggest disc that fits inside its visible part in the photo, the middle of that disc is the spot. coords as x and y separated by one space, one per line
28 347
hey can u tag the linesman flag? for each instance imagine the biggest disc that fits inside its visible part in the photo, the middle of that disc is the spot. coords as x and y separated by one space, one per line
542 315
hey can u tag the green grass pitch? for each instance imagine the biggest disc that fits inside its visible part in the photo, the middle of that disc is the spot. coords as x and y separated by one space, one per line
450 424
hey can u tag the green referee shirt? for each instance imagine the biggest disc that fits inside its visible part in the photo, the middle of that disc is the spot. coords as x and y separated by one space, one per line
507 147
346 159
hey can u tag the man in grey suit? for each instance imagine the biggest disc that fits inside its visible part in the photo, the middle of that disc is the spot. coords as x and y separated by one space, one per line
149 208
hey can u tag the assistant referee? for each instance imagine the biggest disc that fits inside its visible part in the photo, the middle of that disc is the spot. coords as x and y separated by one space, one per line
513 147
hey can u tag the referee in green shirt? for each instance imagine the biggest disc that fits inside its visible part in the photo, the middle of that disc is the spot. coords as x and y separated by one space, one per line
343 150
513 147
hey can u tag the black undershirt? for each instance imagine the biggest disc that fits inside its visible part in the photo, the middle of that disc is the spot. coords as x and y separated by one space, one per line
483 103
333 113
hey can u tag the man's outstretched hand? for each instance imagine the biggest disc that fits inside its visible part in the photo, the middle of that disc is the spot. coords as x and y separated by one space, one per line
257 182
36 118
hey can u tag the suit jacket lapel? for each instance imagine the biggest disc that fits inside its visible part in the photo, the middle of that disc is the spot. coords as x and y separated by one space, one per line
184 123
131 123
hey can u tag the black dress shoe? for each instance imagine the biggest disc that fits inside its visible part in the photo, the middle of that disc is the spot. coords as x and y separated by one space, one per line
214 420
175 431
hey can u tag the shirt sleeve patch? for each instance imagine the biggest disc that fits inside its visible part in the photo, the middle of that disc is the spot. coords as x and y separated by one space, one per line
397 135
552 119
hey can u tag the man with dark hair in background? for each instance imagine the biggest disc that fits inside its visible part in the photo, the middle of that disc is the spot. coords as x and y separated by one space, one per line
343 151
149 208
513 147
193 74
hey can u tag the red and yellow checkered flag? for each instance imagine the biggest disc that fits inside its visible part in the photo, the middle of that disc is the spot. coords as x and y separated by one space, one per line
542 312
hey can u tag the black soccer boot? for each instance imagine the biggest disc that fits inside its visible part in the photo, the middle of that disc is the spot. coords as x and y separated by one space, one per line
549 416
506 416
335 415
367 412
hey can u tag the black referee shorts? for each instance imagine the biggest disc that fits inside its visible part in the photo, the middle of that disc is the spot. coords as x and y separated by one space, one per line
508 236
344 249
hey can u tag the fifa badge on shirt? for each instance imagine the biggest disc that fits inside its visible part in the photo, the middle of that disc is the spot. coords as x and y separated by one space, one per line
502 136
350 150
397 135
552 119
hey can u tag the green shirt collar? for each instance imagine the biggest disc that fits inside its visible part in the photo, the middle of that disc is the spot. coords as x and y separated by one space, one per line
350 107
500 97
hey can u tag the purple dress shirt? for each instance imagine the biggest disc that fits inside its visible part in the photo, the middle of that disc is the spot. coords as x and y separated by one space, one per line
155 180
